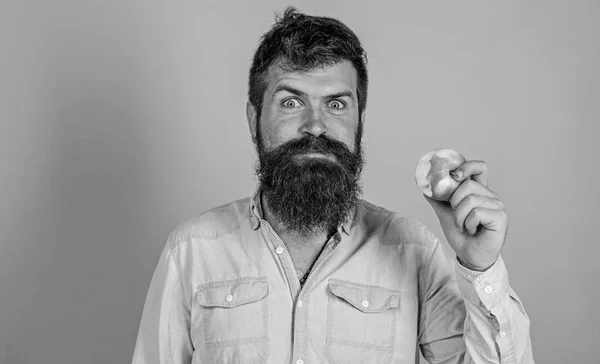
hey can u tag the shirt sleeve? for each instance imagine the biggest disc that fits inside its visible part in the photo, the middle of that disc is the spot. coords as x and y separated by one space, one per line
471 317
164 332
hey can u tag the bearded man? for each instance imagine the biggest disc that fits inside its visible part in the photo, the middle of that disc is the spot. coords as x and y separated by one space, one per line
305 271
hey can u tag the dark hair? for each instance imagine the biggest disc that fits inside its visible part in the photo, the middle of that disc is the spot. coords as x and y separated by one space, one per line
302 42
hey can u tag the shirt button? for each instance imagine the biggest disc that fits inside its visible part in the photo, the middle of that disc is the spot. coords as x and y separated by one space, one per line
279 250
229 298
300 303
299 361
502 333
488 289
365 303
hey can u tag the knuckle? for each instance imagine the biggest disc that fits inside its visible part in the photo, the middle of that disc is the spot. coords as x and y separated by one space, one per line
499 203
455 199
472 215
453 203
457 220
471 200
477 213
495 195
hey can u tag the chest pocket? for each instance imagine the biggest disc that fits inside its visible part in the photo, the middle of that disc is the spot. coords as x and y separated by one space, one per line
235 319
361 322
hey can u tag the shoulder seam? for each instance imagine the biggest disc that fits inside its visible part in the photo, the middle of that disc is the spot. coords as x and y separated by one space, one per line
371 207
406 242
180 238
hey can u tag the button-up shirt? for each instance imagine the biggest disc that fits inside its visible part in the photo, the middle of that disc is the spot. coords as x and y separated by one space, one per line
225 290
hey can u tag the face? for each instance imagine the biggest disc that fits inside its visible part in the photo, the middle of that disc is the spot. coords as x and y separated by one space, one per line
308 142
319 102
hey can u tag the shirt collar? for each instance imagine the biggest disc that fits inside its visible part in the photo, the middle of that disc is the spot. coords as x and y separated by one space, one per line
256 214
255 209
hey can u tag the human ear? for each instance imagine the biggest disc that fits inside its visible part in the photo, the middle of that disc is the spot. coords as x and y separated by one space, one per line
251 115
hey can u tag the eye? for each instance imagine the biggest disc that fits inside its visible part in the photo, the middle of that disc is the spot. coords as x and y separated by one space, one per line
337 105
291 103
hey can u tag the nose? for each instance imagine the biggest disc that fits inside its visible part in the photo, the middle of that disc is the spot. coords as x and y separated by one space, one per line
314 124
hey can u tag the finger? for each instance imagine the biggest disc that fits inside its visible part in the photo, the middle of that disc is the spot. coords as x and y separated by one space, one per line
471 202
490 219
476 170
470 187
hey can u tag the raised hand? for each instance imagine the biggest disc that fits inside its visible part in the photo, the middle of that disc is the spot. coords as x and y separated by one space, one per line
474 221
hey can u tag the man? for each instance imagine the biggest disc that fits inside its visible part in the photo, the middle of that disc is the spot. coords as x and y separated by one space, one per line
305 271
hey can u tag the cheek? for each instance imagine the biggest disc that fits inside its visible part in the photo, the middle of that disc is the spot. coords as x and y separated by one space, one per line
275 134
350 141
347 135
351 129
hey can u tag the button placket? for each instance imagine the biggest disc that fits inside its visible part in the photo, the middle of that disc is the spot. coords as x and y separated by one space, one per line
284 259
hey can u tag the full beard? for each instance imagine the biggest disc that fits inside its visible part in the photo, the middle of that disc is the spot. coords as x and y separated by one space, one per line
310 195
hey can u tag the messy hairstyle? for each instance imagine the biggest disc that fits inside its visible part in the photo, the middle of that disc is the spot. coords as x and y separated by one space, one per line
302 42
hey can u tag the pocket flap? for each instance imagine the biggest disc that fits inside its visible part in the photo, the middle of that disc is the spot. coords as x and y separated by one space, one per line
366 298
232 293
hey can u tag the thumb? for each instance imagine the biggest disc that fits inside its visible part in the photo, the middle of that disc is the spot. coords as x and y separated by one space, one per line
444 212
440 208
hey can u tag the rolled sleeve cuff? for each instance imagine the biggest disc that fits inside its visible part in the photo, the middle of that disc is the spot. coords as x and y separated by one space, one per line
486 288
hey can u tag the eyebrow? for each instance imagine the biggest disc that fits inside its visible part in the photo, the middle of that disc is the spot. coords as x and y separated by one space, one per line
297 92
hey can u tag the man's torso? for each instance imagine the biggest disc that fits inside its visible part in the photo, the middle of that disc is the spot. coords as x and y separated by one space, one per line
360 303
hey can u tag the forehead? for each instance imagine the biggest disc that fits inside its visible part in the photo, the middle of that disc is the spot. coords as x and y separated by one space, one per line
336 77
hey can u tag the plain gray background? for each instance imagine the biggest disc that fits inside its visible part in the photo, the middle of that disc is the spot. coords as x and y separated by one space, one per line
121 119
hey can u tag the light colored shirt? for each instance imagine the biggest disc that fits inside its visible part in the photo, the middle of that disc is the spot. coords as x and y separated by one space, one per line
225 291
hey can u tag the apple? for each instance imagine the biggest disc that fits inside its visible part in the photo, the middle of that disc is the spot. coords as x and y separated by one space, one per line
432 173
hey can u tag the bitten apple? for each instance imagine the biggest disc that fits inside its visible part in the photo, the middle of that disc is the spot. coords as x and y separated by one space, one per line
432 173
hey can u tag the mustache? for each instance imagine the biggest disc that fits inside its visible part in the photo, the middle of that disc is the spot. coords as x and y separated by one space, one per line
311 144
